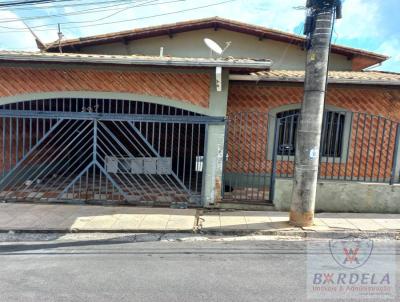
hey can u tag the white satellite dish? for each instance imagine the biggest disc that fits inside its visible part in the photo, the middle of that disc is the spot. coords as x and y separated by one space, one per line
213 46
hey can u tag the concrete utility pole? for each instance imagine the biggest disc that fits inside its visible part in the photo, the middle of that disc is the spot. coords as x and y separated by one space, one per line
319 27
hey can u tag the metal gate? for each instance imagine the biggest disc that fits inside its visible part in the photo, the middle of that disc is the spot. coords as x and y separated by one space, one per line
261 147
247 168
101 150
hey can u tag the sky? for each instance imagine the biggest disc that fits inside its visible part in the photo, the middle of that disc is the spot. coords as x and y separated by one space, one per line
372 25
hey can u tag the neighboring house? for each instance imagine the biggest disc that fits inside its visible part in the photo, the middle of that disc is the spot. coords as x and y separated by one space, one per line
139 117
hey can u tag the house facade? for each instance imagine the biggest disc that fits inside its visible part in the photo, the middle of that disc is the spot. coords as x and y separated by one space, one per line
150 116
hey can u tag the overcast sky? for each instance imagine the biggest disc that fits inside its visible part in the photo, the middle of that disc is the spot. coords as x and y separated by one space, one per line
369 24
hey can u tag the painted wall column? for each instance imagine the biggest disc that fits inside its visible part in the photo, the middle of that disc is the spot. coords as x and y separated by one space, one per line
214 149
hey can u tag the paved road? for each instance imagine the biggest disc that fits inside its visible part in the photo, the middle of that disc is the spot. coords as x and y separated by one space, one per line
151 270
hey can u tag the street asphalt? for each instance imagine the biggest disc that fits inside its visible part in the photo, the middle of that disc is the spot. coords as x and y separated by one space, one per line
144 268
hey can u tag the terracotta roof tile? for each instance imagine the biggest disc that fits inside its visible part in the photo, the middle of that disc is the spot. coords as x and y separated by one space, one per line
367 77
215 22
235 63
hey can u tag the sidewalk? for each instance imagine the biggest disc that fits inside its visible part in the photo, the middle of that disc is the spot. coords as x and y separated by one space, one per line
276 223
81 218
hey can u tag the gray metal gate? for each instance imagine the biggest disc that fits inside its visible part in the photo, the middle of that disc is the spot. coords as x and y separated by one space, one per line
261 147
100 150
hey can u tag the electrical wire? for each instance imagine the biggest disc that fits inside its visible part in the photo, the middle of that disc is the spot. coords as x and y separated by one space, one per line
114 22
86 11
10 4
148 3
59 6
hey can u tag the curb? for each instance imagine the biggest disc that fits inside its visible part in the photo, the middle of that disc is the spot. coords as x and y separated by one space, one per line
393 235
306 234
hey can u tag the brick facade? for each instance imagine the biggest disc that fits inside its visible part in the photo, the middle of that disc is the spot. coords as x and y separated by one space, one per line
247 141
190 88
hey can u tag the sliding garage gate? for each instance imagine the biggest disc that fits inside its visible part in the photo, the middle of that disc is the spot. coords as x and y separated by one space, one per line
101 151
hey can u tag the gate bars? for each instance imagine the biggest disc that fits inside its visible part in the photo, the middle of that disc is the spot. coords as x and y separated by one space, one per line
101 151
354 147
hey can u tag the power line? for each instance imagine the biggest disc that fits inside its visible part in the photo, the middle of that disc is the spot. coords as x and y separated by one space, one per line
81 12
81 3
10 4
88 11
119 21
70 4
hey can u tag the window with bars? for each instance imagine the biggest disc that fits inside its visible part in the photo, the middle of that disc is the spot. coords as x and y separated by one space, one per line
332 133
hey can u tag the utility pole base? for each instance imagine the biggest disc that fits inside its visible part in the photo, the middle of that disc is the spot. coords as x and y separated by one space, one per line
301 219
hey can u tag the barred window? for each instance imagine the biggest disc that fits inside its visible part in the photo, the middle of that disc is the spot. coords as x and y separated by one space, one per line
332 133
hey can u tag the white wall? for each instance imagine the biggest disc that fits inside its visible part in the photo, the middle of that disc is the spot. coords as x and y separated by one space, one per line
339 196
190 44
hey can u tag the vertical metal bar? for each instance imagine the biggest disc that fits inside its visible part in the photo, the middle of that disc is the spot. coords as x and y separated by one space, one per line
281 152
184 154
291 140
3 166
86 185
16 140
204 161
355 146
199 133
387 151
256 170
274 157
329 115
80 188
191 160
173 142
224 160
166 135
153 126
179 147
324 137
159 132
381 149
234 155
247 149
236 150
375 147
147 123
396 151
348 146
23 132
362 145
10 140
336 145
264 178
30 127
245 158
369 146
43 120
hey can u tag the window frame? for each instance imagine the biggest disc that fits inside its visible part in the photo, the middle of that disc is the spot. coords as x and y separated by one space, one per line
345 139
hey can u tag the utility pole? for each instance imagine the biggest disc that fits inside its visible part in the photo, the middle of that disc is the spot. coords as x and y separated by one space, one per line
318 28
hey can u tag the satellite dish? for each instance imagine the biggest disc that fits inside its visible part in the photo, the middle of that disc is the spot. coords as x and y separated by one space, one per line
213 46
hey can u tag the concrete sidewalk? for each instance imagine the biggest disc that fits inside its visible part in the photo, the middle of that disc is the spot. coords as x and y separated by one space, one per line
21 217
82 218
276 223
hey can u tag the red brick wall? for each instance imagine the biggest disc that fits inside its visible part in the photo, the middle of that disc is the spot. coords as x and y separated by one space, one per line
247 141
186 87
